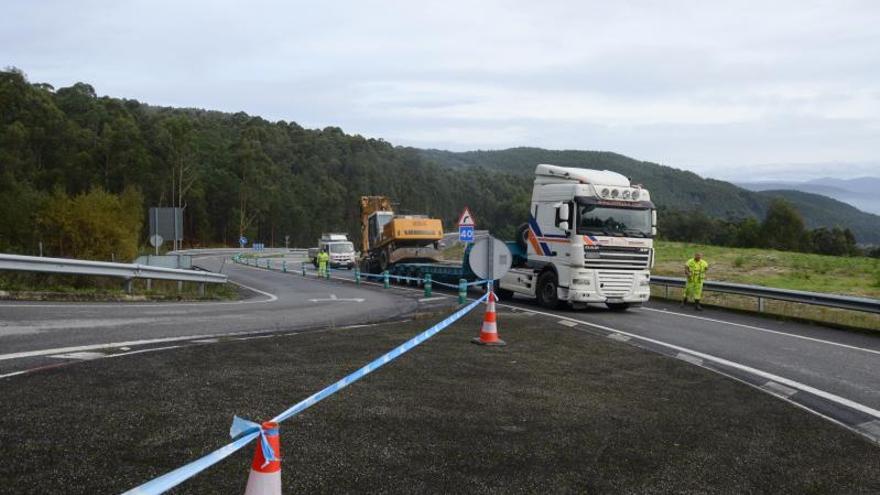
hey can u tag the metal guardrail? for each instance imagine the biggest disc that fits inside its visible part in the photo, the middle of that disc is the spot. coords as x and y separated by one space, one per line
105 269
853 303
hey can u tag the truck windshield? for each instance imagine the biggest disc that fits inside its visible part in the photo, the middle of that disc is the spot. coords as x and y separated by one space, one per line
341 248
621 222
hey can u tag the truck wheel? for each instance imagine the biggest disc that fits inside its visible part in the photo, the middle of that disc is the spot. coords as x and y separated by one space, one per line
383 261
617 306
504 294
522 237
547 293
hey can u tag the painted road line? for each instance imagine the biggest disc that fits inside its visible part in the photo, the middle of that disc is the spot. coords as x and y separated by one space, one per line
871 428
333 298
766 330
690 359
567 323
142 351
14 373
84 355
778 389
112 345
618 337
435 298
732 364
206 341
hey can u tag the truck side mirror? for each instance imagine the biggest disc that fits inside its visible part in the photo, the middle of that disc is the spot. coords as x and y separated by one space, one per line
563 215
564 226
653 222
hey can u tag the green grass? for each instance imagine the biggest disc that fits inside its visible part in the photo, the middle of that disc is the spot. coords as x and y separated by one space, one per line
455 252
54 286
859 276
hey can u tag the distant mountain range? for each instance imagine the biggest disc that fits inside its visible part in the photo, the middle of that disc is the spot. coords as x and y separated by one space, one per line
684 190
862 192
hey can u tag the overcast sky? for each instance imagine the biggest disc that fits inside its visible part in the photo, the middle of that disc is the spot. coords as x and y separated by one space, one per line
728 89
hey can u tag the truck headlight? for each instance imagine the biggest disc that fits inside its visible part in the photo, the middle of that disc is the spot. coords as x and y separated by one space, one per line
580 281
644 283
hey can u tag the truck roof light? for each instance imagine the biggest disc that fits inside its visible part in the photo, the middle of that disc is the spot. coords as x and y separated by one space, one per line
626 194
605 192
635 195
615 193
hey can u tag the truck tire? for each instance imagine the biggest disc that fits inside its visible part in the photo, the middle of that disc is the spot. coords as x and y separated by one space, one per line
546 291
504 294
522 237
617 306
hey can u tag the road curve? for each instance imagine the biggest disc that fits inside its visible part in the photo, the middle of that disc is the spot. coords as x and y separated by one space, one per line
31 332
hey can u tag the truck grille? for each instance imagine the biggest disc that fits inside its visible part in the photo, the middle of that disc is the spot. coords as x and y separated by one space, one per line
615 284
617 258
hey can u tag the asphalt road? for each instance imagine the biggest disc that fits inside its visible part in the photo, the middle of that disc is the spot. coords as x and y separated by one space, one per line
830 371
35 335
555 411
782 357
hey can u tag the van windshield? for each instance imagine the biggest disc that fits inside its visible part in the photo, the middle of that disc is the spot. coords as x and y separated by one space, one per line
342 248
621 222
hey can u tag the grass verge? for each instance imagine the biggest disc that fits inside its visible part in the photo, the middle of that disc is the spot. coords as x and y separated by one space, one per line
53 287
857 275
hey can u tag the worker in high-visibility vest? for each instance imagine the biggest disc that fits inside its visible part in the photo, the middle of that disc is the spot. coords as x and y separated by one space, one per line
323 259
695 271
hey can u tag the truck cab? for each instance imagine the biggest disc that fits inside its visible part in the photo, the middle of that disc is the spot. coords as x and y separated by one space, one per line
588 239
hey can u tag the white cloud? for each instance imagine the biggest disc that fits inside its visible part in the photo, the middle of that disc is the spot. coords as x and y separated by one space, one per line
707 85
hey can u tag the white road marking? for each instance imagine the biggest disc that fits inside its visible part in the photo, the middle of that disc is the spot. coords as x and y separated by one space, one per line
778 389
206 341
731 364
141 351
567 323
767 330
434 298
690 359
333 298
618 337
872 428
113 345
85 355
14 373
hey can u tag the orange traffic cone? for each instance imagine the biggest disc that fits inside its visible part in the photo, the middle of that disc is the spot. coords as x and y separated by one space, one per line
265 477
489 331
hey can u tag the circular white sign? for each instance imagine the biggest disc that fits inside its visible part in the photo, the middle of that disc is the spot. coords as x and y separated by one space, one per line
490 259
156 240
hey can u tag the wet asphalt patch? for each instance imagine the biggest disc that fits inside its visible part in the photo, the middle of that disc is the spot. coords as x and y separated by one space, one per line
556 410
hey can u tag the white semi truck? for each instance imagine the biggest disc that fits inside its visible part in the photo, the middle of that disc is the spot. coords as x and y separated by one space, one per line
588 240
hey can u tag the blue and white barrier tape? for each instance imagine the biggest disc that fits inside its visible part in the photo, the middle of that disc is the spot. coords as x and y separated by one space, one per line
170 480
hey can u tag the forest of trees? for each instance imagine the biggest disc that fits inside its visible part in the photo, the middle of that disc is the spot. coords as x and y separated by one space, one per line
782 228
231 172
78 171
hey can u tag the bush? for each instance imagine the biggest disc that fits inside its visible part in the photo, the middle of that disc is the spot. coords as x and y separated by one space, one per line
96 225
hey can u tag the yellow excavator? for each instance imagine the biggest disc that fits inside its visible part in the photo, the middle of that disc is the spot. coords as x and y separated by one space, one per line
388 238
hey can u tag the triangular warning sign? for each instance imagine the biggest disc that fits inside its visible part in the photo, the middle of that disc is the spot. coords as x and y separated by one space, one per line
466 219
